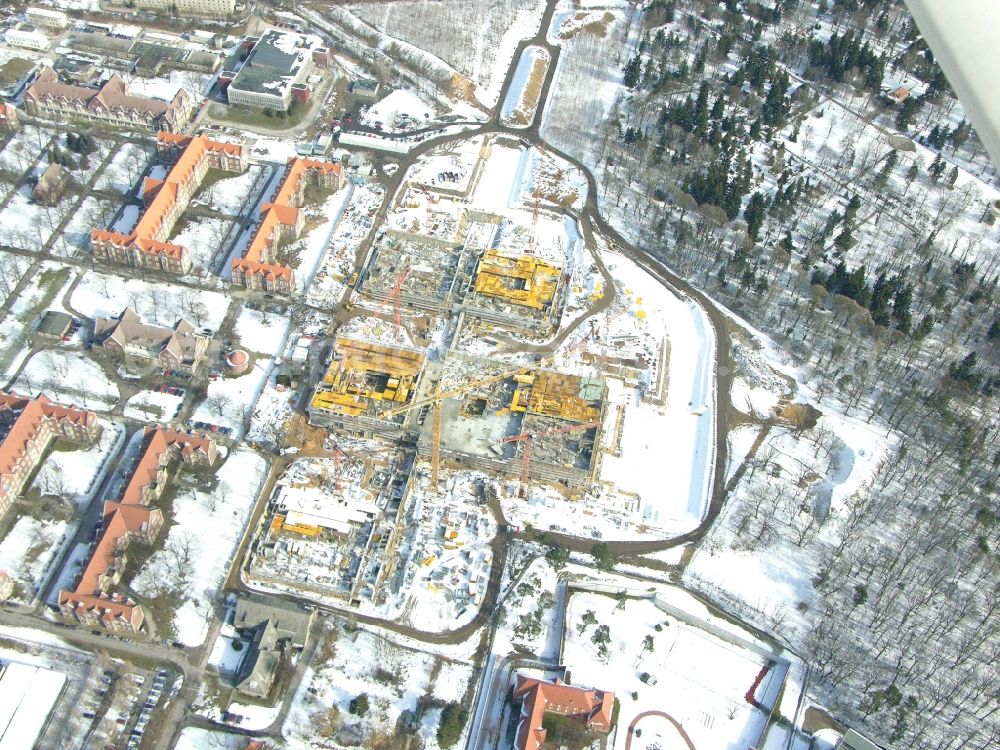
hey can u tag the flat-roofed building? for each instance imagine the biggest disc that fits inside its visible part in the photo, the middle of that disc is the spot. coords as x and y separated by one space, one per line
51 19
28 36
275 71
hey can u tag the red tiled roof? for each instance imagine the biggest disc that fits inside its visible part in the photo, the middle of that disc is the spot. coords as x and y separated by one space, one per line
33 411
281 210
539 696
165 194
129 514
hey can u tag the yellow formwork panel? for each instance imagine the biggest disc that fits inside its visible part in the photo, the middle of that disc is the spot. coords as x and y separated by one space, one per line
524 280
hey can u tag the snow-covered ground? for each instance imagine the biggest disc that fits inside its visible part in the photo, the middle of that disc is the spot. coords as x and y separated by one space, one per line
228 195
44 289
203 237
27 551
230 400
207 526
392 677
702 681
153 406
400 107
106 295
69 377
262 332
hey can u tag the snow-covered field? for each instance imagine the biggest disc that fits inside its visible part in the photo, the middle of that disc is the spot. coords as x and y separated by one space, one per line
773 574
230 400
28 550
69 377
402 105
75 238
701 680
45 288
207 526
153 406
76 473
392 677
203 237
675 441
230 194
262 332
106 295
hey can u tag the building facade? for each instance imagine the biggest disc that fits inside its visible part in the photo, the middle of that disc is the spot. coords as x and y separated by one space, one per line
28 36
111 104
131 518
147 245
51 19
27 427
200 8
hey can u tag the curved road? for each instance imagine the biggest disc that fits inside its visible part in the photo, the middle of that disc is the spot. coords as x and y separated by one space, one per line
668 717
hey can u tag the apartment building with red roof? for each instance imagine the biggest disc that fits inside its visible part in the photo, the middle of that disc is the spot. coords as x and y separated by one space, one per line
282 219
148 245
27 428
131 518
111 104
537 697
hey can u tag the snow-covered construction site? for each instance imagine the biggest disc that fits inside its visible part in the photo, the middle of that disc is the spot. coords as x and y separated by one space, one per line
497 366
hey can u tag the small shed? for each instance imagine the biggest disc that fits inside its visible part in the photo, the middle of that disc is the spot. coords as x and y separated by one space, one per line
54 325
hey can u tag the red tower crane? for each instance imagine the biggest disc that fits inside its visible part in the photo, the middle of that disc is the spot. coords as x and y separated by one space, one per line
394 298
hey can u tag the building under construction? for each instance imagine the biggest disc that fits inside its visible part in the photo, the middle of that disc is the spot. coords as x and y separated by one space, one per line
364 382
517 291
497 415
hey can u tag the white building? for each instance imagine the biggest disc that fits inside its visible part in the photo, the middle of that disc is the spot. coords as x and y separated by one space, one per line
27 35
202 8
50 19
275 71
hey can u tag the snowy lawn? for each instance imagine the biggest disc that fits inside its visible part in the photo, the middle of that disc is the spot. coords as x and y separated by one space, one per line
203 237
106 295
75 237
230 400
45 289
392 677
75 471
125 168
262 332
28 225
69 377
28 550
196 554
228 195
153 406
701 680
